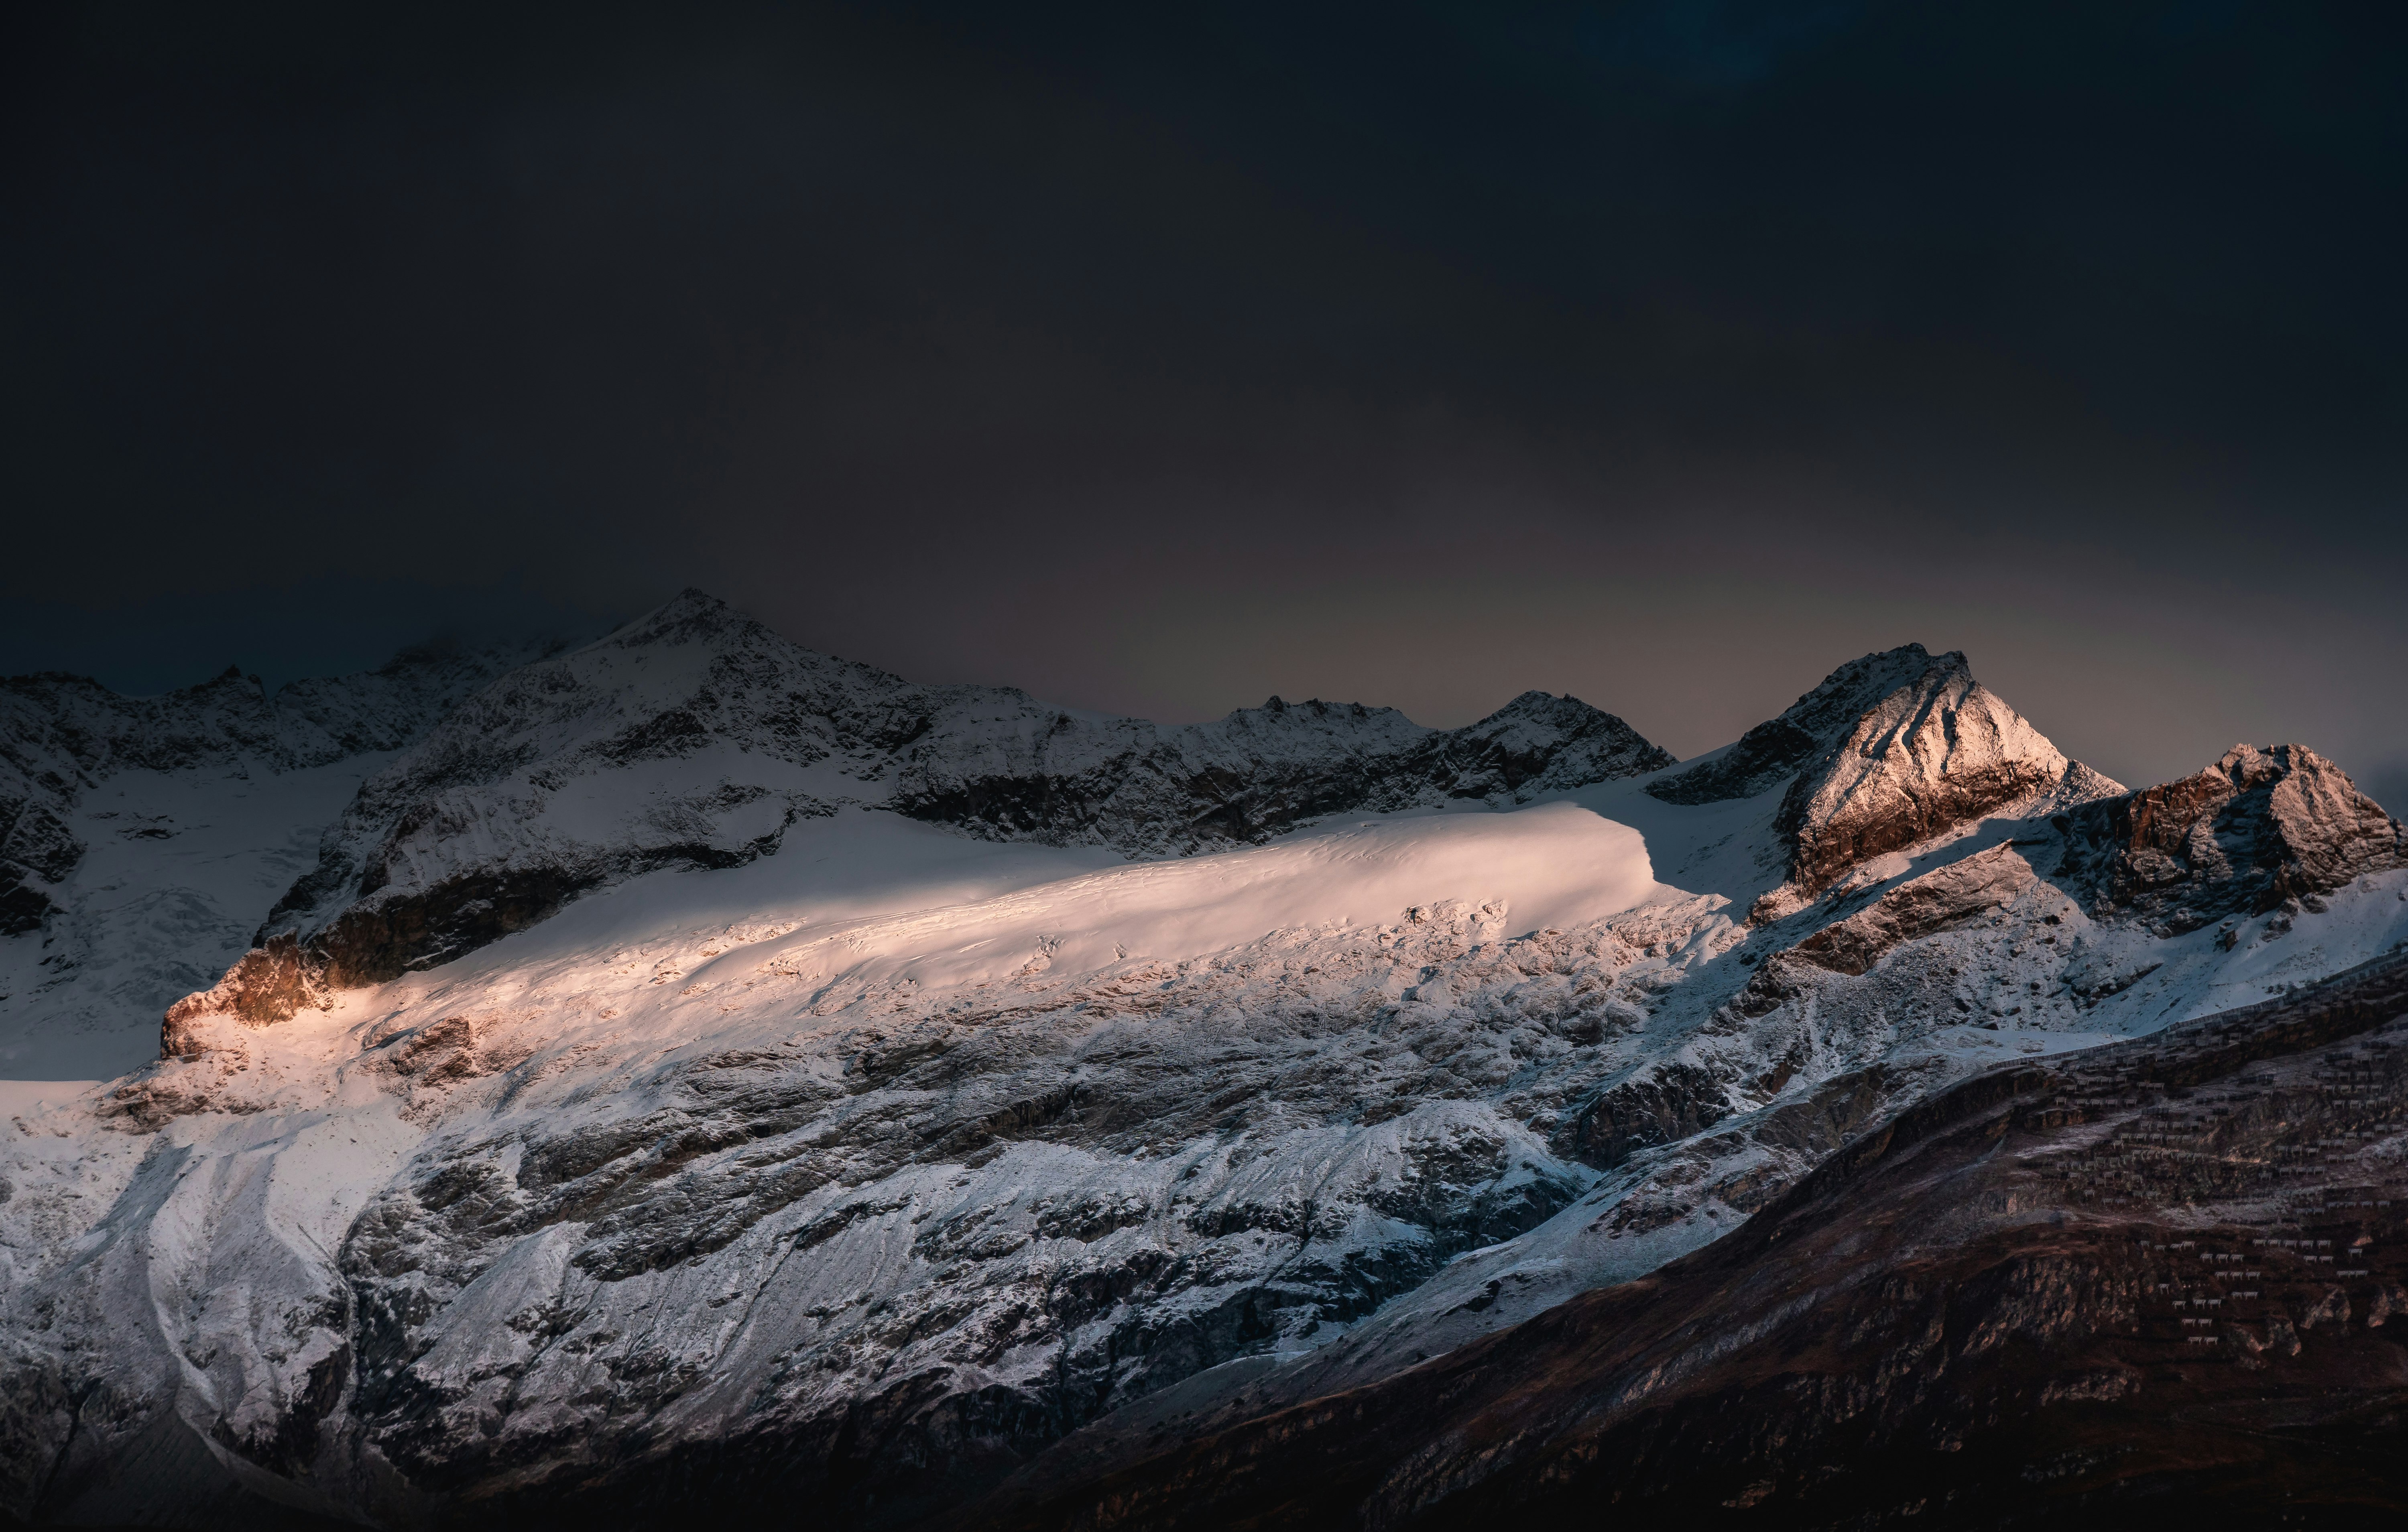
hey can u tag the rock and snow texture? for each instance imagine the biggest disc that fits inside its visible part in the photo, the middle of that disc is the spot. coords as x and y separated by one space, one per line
1893 749
695 737
2260 830
63 735
870 1166
142 839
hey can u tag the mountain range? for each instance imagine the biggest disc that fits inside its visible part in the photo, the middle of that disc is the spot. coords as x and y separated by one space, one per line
598 1083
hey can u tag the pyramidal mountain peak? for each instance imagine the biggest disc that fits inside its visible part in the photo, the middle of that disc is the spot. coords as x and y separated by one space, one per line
1890 751
683 1073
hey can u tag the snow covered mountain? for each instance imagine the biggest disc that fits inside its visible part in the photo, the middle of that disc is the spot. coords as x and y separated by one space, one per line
142 837
695 737
1889 750
697 1064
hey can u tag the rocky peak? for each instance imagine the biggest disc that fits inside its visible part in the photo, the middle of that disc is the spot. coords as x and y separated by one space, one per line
1890 749
1539 742
2262 826
1811 729
1933 754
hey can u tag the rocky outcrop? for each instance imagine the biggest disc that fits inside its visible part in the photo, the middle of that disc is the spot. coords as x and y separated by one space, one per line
695 737
267 986
1659 1106
1890 751
1935 901
2261 826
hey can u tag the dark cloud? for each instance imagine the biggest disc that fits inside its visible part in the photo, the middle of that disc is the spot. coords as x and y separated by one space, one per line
1159 360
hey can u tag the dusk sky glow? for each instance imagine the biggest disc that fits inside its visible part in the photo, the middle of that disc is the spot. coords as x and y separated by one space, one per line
1157 361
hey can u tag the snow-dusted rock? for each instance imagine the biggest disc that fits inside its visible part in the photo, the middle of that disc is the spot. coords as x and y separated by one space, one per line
2261 827
141 839
1889 750
1935 901
1259 771
61 735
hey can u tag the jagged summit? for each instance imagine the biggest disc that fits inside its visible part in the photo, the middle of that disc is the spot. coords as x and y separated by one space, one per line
1808 729
2262 827
1889 750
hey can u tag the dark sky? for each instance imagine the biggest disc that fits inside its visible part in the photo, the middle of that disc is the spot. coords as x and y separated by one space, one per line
1157 360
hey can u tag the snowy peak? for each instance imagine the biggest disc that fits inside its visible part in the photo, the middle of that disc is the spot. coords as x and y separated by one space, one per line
2262 829
692 736
72 729
1933 754
1889 750
1539 742
1811 729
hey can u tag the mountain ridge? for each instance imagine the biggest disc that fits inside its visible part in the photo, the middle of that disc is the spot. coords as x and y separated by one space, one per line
866 1170
455 846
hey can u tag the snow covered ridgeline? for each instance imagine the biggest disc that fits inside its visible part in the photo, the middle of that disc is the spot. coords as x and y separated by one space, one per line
695 737
61 735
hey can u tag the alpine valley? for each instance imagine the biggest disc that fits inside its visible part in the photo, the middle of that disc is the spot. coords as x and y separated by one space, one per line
683 1074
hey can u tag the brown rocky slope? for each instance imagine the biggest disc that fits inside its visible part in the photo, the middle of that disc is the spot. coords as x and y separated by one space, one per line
2161 1279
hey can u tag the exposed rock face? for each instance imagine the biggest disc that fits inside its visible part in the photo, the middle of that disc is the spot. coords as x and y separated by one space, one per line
695 737
1931 755
268 985
2259 827
1890 751
1660 1106
1920 905
1142 788
37 850
2017 1304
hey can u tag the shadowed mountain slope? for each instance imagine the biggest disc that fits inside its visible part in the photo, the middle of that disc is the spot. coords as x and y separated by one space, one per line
2161 1279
